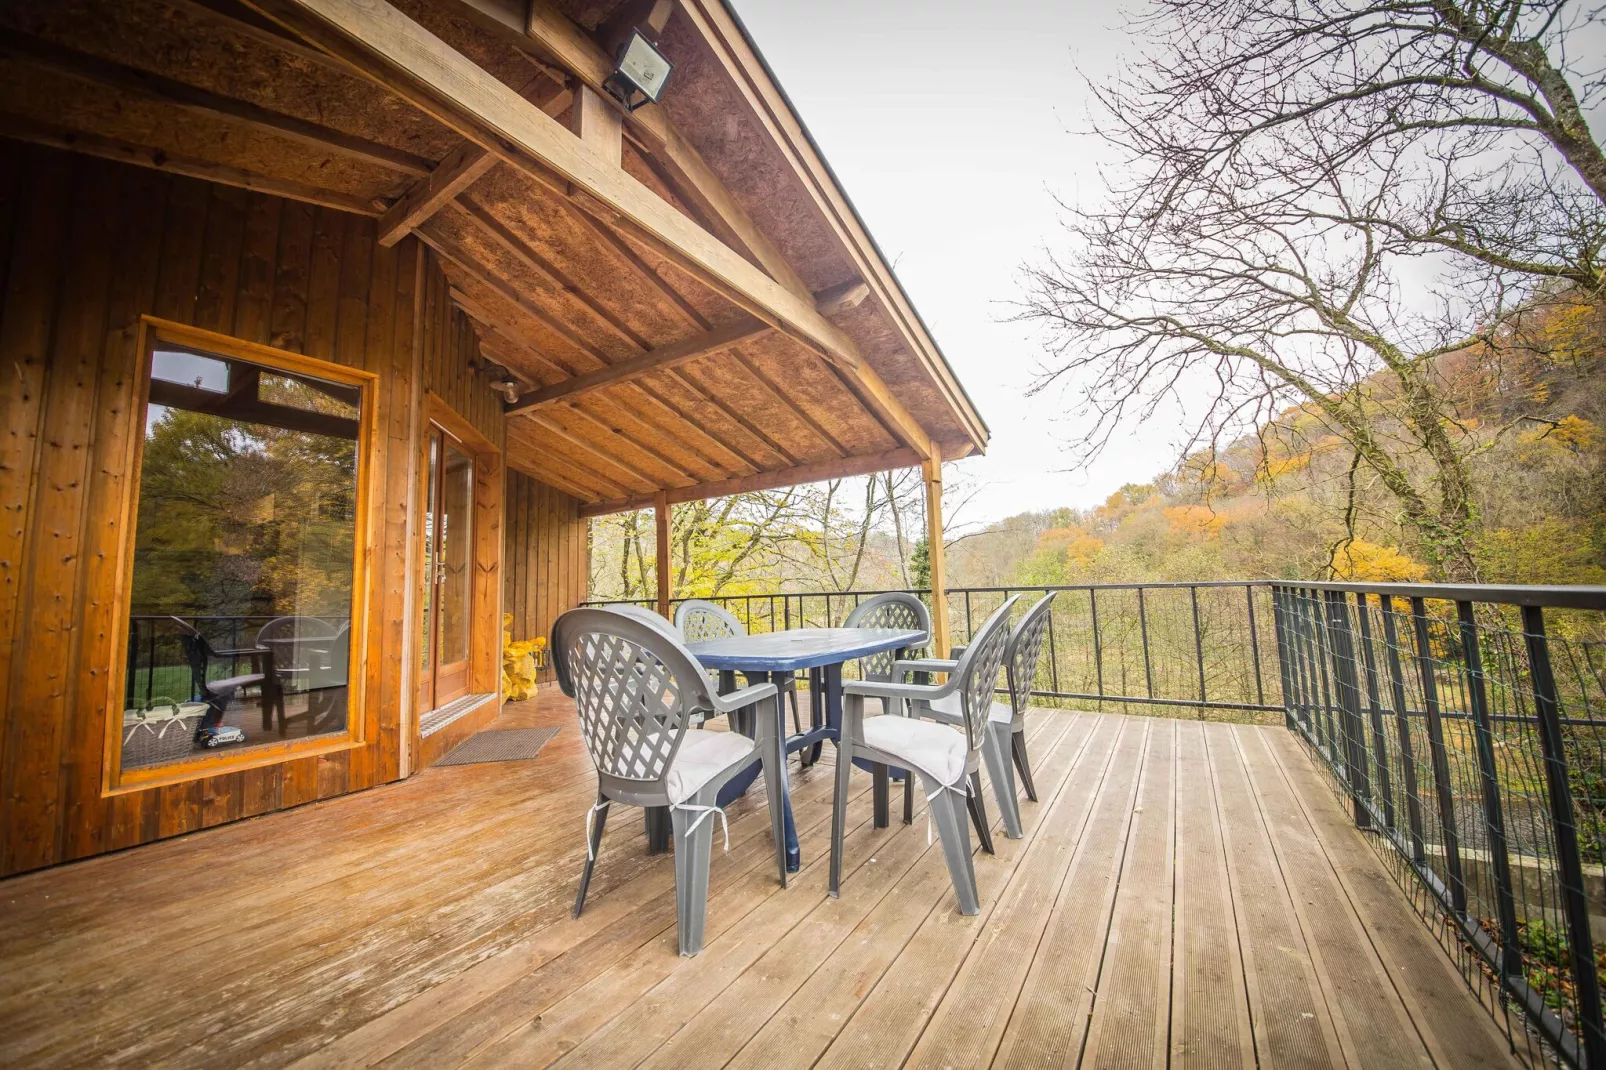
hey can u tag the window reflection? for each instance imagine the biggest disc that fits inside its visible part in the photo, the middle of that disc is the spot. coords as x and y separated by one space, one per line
243 562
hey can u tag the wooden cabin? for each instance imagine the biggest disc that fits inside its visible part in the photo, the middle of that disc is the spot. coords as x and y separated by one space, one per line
327 323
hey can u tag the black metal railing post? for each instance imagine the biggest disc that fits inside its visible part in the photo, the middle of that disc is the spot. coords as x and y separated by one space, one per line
1494 820
1254 643
1374 703
1564 826
1098 649
1198 642
1278 626
1143 631
1346 686
1440 760
1413 798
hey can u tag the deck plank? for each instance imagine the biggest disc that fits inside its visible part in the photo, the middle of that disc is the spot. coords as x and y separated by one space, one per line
1184 892
1049 1022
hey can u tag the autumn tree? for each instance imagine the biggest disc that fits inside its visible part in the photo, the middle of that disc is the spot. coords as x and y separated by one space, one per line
1317 203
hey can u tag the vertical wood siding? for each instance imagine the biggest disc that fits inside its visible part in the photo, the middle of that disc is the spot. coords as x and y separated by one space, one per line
546 564
86 248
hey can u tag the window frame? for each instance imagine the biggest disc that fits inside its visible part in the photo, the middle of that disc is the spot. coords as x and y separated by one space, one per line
153 332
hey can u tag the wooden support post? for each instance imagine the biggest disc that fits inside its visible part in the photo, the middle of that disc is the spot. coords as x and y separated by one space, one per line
660 510
934 552
596 122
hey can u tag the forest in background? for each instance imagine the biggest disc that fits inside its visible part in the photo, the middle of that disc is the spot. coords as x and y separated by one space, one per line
1290 501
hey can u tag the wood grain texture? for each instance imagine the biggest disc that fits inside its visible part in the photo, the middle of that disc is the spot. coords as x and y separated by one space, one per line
546 572
474 960
88 247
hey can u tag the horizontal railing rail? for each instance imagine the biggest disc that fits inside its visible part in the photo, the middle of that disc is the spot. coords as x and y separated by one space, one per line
1464 725
156 666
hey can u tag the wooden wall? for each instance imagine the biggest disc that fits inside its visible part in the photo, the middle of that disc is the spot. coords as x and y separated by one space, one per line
546 561
86 248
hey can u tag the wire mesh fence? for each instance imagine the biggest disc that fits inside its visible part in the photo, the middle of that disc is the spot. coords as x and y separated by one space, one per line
1467 737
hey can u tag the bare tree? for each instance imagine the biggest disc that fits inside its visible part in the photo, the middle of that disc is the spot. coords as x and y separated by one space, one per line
1320 201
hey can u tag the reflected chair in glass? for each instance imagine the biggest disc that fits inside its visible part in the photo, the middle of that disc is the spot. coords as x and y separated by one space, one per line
946 759
636 689
217 694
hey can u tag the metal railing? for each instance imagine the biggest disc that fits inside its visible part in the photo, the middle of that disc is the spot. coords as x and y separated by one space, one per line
1465 727
1203 648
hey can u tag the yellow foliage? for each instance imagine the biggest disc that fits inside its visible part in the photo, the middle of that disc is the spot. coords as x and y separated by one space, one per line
1367 562
1575 433
1081 551
521 661
1195 521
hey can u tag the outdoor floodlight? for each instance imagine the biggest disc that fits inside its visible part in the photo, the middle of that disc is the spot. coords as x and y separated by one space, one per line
640 74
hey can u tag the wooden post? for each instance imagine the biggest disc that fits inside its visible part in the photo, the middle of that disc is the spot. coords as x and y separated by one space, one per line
939 576
660 510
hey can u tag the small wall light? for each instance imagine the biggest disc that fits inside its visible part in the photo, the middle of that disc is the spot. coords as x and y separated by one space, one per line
508 387
640 72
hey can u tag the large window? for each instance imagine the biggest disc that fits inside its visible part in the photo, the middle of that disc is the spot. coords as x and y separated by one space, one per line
244 557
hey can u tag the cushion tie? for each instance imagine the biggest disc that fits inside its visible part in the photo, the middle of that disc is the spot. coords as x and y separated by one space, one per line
703 812
591 852
940 789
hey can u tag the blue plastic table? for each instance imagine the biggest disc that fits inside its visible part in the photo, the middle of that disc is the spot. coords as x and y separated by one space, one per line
773 657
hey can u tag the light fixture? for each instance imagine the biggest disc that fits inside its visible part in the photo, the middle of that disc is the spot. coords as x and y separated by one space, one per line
508 387
640 73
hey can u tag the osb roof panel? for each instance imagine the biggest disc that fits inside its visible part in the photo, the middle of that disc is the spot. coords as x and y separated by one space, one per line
204 52
71 104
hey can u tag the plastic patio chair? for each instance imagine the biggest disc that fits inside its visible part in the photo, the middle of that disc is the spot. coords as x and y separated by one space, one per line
636 689
946 759
701 621
1005 742
896 609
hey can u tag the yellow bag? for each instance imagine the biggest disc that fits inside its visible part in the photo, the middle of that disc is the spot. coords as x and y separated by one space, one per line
521 662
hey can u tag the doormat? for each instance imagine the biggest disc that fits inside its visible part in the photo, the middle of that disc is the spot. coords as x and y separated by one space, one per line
506 745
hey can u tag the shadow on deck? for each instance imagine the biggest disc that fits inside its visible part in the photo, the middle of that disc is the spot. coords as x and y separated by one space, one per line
1182 887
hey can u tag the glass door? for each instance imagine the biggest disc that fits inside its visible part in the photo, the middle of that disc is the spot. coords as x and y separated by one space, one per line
448 570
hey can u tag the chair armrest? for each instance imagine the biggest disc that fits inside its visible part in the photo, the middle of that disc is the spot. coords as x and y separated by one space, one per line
883 689
957 652
744 697
923 665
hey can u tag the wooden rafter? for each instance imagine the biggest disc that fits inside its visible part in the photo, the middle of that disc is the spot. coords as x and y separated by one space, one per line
785 398
457 171
504 333
835 300
407 58
632 442
23 129
585 446
44 55
574 471
660 359
837 468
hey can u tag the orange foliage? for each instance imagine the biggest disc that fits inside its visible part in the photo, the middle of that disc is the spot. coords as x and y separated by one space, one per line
1367 562
1195 521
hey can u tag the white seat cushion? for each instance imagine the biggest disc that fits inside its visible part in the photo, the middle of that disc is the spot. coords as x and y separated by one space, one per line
703 755
948 707
930 747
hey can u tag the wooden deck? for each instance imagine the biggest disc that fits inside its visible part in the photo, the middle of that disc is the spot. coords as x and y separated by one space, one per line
1186 894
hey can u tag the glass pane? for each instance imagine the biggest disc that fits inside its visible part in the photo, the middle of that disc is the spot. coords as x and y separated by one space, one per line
244 553
456 575
431 492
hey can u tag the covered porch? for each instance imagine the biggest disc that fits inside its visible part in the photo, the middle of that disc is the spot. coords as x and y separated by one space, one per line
1185 892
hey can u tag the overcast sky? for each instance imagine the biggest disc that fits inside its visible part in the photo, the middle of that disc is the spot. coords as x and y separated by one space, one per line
952 134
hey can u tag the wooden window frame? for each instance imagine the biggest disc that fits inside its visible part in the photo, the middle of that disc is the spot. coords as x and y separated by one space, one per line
485 599
152 332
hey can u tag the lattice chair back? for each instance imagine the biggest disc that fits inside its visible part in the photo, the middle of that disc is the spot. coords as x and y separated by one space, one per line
700 621
636 689
978 667
1025 646
904 612
645 615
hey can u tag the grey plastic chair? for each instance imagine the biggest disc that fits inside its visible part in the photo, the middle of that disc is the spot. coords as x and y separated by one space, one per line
1005 744
701 621
946 760
636 688
646 616
894 610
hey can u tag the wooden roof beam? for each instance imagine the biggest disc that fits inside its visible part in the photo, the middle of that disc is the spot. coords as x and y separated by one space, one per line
660 359
836 468
24 129
41 54
842 298
457 171
406 58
